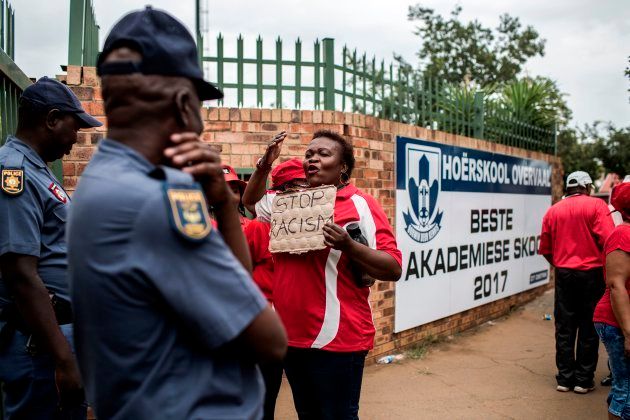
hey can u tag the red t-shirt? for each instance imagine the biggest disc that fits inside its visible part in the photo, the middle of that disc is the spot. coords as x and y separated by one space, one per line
315 293
619 239
574 231
257 235
244 221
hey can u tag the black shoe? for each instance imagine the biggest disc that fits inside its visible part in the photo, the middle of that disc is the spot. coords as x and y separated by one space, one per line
607 381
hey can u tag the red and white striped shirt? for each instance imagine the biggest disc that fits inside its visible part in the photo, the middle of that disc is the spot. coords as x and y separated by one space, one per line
315 293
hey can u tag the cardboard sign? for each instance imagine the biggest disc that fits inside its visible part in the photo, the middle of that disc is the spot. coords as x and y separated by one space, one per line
298 219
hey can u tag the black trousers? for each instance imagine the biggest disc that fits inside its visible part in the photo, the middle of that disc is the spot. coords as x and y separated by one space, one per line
325 385
272 375
576 295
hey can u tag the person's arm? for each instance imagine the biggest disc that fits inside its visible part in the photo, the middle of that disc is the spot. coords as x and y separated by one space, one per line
378 264
256 186
196 158
544 247
214 299
19 272
263 341
617 274
603 224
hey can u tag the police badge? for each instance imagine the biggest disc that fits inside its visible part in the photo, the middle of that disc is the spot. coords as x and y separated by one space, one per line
13 181
188 212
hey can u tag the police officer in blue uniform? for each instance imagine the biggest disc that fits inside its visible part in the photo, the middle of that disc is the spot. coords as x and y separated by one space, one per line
37 366
169 324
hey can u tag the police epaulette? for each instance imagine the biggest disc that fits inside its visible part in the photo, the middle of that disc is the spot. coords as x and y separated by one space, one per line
188 211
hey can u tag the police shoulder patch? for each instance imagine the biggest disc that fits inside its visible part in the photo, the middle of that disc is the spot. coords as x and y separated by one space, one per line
12 181
188 211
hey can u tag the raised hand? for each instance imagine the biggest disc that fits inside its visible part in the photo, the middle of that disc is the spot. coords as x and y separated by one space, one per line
273 149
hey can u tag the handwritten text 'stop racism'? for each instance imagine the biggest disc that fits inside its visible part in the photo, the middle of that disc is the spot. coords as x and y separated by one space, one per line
298 219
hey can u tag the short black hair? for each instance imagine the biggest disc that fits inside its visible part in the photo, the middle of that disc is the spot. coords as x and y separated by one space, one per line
347 151
578 189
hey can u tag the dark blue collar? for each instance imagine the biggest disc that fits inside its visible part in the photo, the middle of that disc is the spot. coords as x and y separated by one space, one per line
119 149
26 150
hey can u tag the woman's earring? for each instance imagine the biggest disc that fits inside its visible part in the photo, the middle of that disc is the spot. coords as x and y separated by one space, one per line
344 178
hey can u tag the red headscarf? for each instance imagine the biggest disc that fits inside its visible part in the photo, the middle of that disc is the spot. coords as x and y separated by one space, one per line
620 199
287 171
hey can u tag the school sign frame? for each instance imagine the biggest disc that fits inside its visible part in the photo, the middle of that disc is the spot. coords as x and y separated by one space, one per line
468 225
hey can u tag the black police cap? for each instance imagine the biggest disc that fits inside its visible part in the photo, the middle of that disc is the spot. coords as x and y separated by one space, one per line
49 94
166 46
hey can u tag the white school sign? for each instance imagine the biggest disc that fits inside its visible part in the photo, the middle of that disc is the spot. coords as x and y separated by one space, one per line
468 225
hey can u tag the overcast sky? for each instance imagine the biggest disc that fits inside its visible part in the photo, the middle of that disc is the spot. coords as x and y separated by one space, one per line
588 41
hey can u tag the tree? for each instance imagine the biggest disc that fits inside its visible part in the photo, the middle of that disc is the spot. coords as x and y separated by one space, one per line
455 51
536 101
611 146
578 153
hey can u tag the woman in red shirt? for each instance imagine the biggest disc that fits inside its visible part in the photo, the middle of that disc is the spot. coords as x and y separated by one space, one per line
612 314
285 176
322 304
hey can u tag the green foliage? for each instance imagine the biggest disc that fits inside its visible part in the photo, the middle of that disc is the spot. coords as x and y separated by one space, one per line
597 149
536 101
611 146
420 350
577 153
456 51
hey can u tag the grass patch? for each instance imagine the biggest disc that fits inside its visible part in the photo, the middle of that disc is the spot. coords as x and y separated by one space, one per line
420 350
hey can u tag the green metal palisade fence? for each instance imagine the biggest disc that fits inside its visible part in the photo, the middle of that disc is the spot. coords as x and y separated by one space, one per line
83 39
12 80
357 84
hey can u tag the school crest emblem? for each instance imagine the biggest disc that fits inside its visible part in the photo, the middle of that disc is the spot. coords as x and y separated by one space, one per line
188 212
12 181
423 220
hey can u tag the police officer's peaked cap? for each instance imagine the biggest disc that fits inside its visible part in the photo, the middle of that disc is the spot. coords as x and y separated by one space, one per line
50 94
166 46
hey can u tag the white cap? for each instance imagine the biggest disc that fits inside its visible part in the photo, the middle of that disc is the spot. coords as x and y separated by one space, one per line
578 178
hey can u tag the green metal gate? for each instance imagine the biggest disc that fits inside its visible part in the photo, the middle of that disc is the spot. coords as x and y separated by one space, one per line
12 80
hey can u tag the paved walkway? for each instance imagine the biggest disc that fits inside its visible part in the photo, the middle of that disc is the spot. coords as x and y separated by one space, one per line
502 370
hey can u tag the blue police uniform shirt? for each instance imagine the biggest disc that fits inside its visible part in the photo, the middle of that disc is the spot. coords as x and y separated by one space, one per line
33 222
153 309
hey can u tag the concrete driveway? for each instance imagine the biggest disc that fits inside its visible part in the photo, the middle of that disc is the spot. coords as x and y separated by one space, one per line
502 370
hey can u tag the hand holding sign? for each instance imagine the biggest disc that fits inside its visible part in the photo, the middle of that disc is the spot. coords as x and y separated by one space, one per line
298 219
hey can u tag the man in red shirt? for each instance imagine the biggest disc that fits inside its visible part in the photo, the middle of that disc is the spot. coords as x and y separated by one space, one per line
573 234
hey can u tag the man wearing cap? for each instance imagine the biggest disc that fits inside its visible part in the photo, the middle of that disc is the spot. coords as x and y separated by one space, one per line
574 231
169 324
37 365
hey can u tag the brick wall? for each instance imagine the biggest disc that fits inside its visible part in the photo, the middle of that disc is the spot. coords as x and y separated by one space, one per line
242 135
